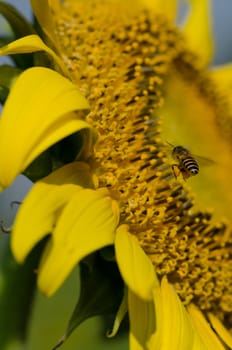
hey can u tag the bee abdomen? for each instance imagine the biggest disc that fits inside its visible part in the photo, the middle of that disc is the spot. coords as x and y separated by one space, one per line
191 165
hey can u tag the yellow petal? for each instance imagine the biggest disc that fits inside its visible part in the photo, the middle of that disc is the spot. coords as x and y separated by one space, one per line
36 220
32 43
37 216
222 75
198 30
142 321
43 10
197 344
37 114
172 320
167 7
87 223
221 330
205 332
190 120
136 268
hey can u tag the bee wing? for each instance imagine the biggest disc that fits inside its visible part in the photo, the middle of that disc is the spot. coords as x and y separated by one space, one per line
200 159
203 160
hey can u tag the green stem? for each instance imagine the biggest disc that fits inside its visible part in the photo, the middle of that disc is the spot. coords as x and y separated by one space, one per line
17 290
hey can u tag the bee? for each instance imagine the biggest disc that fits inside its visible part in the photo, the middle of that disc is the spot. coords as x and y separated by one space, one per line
187 164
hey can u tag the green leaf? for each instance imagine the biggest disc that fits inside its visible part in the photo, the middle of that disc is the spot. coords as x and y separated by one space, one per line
68 149
3 94
5 39
101 292
17 291
40 167
8 74
18 23
20 27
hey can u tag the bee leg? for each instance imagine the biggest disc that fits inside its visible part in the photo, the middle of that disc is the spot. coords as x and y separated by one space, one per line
176 170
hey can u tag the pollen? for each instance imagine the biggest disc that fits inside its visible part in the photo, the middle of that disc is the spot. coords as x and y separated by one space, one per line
120 57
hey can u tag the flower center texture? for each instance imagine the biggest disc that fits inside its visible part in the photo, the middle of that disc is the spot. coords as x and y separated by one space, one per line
121 58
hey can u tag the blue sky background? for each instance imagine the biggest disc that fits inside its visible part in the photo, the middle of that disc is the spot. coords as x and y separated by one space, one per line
23 6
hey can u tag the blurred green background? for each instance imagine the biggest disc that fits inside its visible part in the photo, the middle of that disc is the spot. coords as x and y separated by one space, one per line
50 317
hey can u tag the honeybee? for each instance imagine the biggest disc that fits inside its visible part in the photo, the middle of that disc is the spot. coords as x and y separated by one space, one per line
187 164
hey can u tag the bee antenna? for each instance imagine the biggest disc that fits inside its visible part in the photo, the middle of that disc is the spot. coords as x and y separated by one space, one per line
170 144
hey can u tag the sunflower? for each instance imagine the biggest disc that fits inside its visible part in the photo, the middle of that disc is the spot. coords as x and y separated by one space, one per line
114 87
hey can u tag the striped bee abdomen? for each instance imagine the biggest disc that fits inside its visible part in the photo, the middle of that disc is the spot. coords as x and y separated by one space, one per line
187 165
190 164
